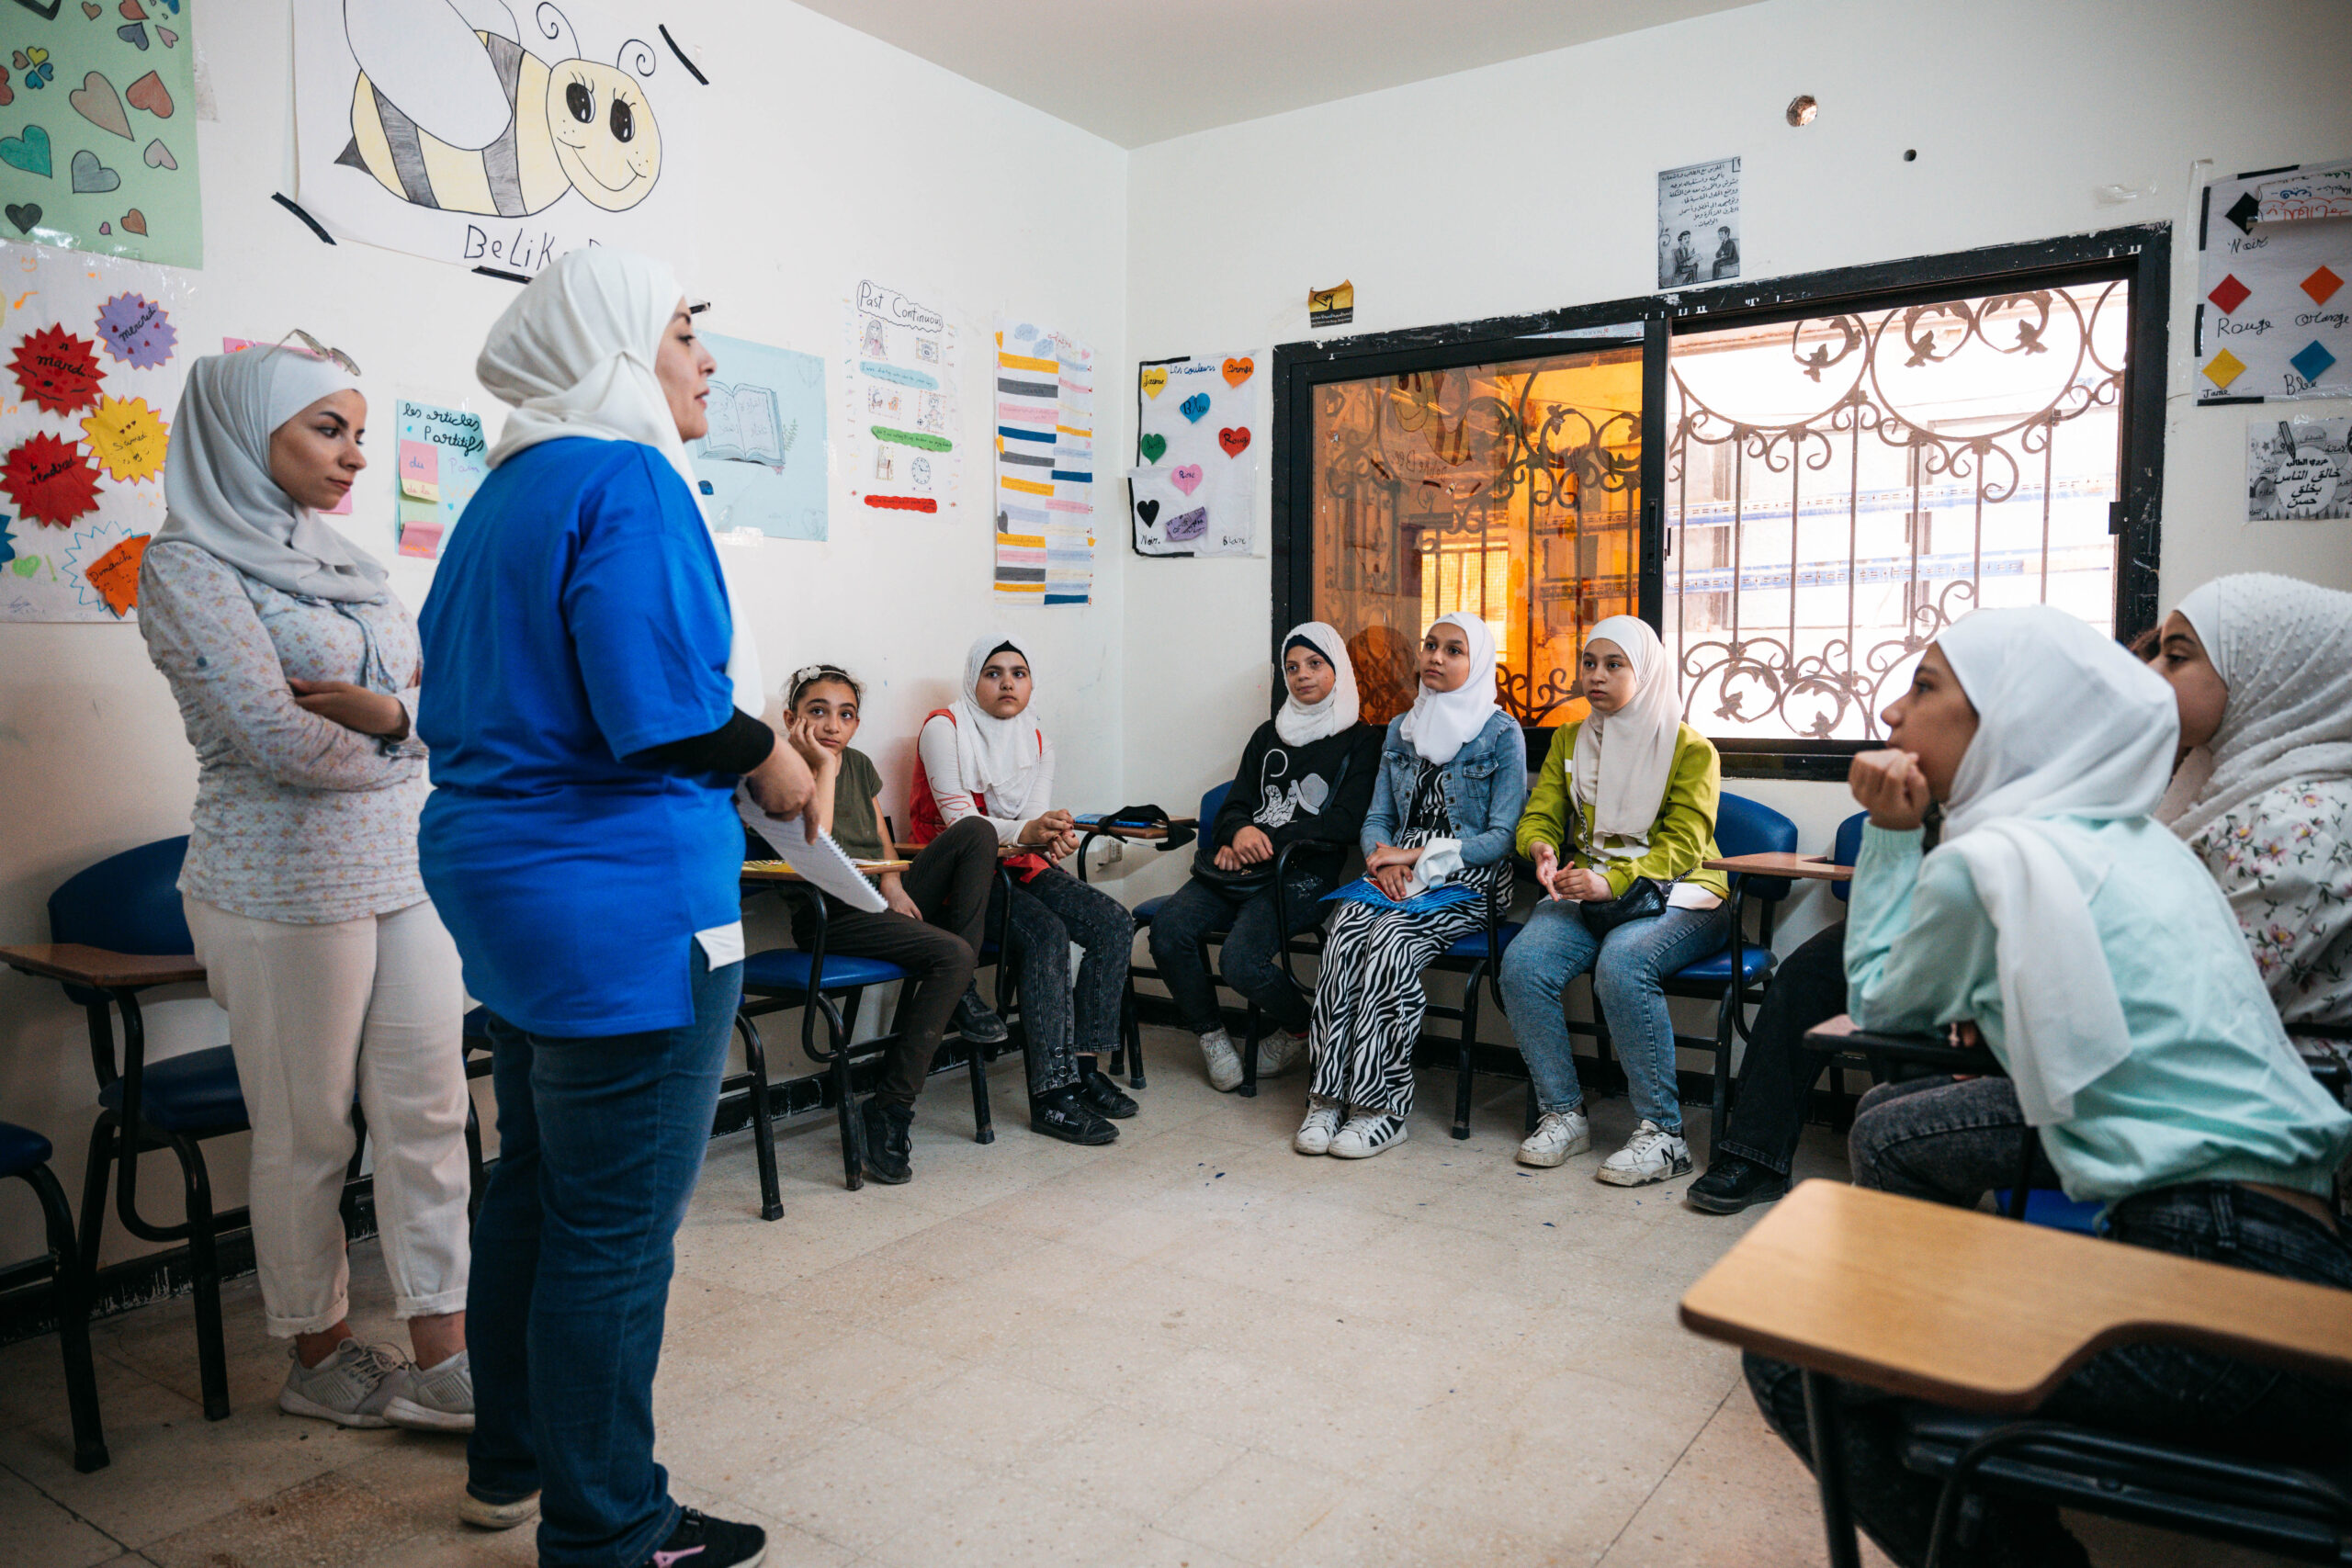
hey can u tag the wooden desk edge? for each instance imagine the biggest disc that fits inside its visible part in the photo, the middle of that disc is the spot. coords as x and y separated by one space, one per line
1813 868
56 961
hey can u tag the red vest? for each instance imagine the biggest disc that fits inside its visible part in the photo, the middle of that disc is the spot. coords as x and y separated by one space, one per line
924 818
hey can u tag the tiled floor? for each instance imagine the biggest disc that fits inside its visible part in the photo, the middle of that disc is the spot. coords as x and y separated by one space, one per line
1194 1347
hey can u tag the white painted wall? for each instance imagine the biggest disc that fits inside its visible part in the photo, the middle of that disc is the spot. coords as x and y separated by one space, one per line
1532 185
828 156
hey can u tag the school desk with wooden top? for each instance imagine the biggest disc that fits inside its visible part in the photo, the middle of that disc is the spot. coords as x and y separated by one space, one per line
1979 1314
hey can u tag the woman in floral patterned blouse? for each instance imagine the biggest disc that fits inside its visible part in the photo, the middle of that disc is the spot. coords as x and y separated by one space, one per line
2262 668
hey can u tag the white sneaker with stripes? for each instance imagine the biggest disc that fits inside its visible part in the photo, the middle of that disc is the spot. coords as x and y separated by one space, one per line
1367 1135
1315 1133
1652 1153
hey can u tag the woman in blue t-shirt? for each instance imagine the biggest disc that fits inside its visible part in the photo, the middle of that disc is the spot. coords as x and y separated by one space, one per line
598 707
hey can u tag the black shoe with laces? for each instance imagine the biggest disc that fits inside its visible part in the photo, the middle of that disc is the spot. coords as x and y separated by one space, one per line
1063 1113
1101 1092
697 1540
890 1147
974 1023
1732 1184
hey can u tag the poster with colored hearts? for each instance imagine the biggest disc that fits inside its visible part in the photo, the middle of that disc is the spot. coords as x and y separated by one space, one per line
1195 491
97 129
2274 309
902 435
91 364
1045 466
499 133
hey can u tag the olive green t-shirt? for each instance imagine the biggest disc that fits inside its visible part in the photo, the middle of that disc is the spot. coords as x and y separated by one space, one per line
855 828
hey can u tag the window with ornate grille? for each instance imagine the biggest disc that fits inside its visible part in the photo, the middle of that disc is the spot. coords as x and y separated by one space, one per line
1839 489
1800 481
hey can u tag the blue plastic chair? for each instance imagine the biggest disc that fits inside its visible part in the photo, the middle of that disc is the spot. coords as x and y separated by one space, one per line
1736 976
812 980
1847 851
24 1154
129 903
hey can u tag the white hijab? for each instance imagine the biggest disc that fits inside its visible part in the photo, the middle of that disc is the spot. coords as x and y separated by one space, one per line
574 355
2284 648
1442 723
2068 726
1623 761
995 755
1302 724
217 490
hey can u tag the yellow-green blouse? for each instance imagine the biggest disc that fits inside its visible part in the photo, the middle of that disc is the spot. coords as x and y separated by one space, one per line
1681 839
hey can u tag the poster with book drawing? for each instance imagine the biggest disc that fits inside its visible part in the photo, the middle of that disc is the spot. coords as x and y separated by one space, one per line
763 464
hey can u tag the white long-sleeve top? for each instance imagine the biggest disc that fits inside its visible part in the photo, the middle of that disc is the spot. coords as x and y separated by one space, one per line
936 746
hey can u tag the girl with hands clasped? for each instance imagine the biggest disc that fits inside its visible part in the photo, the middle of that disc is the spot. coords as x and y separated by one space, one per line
983 757
1306 779
932 929
1624 809
1452 776
2101 966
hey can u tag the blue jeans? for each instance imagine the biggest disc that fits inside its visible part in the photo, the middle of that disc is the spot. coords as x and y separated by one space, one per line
600 1140
1626 968
1250 955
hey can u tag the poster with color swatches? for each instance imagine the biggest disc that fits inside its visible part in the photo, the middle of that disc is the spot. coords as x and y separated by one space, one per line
1045 465
2274 312
97 129
94 366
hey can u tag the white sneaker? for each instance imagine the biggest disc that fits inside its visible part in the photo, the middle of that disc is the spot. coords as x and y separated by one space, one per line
1315 1133
1224 1061
1366 1135
484 1516
1652 1153
1558 1136
349 1388
434 1399
1279 1053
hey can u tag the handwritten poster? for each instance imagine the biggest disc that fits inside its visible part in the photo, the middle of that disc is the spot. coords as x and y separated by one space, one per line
1045 465
97 129
2274 319
2298 471
1698 224
496 135
91 366
441 460
762 464
1194 489
903 432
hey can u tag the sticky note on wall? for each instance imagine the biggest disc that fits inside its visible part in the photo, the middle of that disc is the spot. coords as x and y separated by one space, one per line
420 470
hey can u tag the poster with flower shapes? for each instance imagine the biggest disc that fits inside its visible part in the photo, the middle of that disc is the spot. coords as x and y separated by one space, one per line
91 364
97 129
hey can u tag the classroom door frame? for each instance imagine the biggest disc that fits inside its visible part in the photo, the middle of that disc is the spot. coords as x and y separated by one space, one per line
2140 255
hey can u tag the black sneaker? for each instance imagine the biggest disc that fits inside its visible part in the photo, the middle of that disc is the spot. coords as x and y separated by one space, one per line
1099 1091
1064 1113
974 1023
700 1542
1732 1184
889 1147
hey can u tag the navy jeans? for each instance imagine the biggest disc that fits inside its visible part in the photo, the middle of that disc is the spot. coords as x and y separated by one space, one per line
1627 966
600 1140
2167 1394
1249 958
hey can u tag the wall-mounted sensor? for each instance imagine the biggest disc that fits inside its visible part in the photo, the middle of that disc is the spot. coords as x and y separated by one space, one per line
1802 109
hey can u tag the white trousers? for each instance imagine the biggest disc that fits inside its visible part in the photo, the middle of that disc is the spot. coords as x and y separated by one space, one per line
374 1006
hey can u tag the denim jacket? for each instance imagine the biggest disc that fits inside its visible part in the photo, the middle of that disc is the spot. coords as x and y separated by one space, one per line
1486 785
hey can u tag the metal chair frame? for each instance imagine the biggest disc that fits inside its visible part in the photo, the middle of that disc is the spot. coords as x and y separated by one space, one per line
70 1281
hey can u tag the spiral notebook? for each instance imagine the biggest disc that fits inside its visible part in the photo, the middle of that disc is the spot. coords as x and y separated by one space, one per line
821 863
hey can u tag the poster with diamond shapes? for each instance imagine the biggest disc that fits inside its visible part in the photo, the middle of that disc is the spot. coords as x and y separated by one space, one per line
2274 316
91 364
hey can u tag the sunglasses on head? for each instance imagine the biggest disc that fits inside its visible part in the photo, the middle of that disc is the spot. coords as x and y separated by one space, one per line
318 350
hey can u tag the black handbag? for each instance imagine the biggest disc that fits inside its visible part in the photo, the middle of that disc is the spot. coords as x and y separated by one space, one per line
1646 899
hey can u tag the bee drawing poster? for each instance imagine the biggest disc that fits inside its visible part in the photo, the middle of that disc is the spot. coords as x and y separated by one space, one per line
494 135
97 129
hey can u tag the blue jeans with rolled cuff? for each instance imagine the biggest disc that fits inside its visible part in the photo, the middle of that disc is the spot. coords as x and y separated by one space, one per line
1628 967
601 1138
